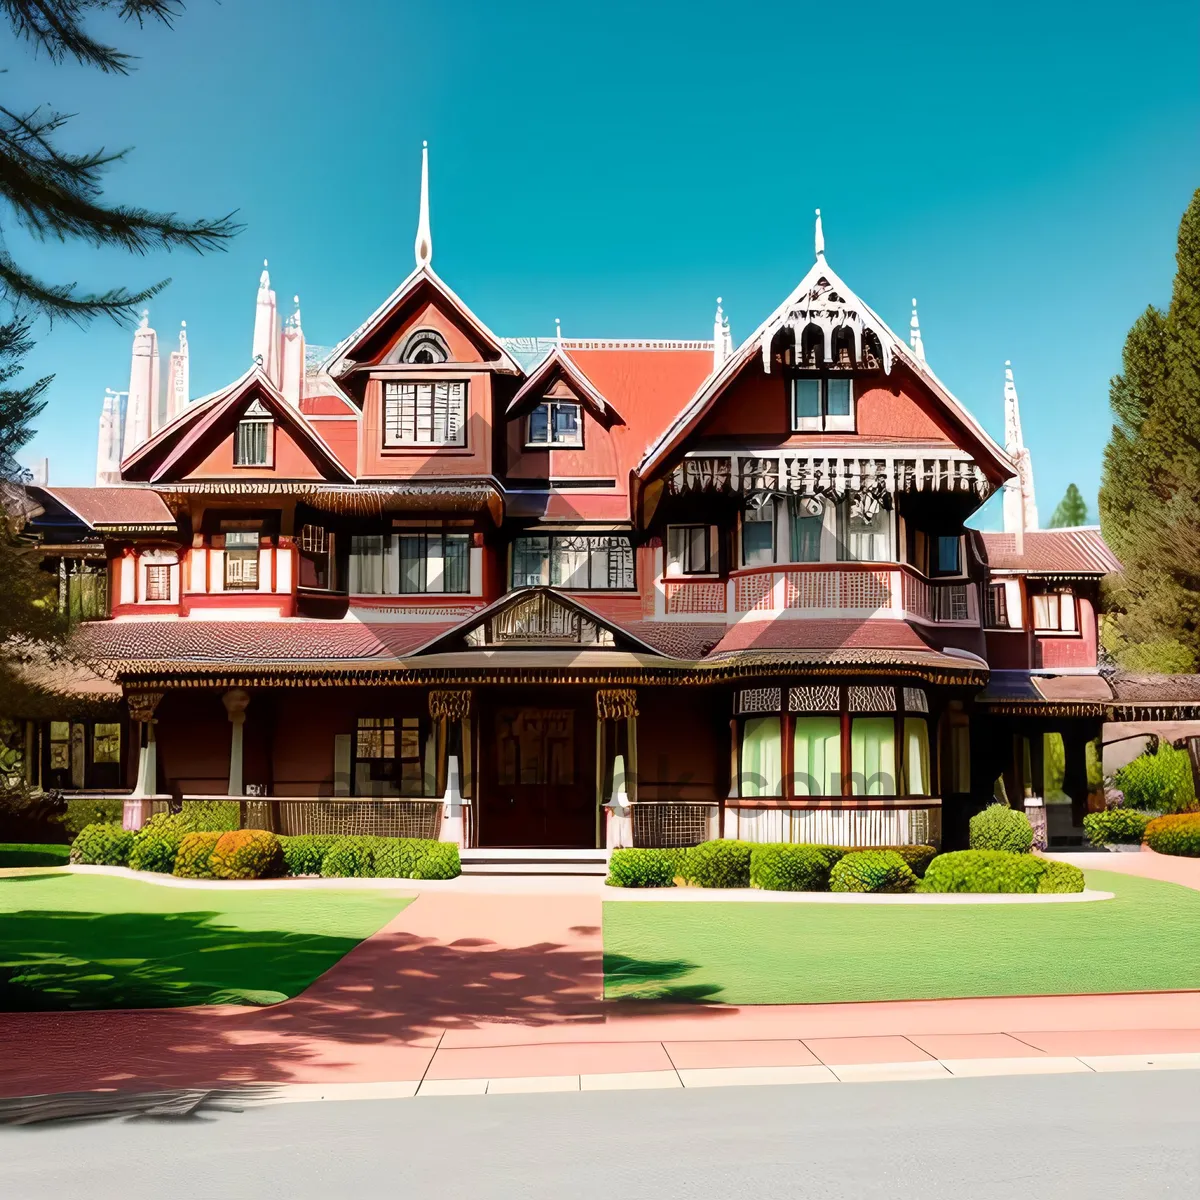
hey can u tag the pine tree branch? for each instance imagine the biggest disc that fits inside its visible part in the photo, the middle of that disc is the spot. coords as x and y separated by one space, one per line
21 289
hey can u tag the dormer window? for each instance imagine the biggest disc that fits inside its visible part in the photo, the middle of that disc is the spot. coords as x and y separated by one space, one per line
425 414
252 441
823 403
425 347
555 423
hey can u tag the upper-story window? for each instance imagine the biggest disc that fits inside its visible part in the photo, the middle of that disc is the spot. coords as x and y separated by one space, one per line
823 403
555 423
425 346
252 439
864 532
410 563
946 556
758 535
425 414
586 562
691 549
1054 612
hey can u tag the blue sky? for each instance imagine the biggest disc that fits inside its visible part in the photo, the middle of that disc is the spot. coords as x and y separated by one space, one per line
1019 168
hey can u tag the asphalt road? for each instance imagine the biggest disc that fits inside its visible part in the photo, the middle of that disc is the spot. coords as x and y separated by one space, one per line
1093 1136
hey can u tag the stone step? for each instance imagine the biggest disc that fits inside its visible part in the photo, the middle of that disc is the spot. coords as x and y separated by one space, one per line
534 861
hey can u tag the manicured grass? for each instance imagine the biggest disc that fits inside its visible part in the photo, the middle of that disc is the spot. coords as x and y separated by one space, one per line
22 854
94 941
1146 939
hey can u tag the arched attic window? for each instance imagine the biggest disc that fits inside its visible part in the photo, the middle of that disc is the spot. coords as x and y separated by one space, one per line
843 346
424 347
812 346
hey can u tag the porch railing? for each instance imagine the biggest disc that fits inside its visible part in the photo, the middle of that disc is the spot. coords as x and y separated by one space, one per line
349 816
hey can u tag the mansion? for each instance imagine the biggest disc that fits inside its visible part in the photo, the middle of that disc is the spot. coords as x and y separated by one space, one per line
572 593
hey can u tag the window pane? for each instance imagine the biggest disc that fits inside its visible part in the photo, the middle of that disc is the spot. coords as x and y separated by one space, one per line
456 568
366 565
531 561
997 606
873 756
837 393
808 400
805 534
864 540
758 536
1045 612
566 423
569 562
762 760
241 569
412 562
620 563
817 756
677 550
947 556
1066 612
698 549
916 756
539 424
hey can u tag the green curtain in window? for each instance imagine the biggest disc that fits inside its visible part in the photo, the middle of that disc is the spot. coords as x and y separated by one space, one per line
805 533
762 759
916 755
873 756
817 758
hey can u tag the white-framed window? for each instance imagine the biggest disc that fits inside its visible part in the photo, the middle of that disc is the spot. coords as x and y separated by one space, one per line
758 535
241 560
425 414
586 562
410 563
691 549
252 438
825 402
555 423
1054 612
863 537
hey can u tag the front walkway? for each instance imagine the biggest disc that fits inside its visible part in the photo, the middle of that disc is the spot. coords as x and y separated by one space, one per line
458 990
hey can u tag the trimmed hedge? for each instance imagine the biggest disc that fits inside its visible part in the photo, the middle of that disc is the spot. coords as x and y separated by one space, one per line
1060 877
999 827
871 871
1179 834
349 858
989 871
302 854
390 858
723 863
642 867
1116 827
786 867
440 861
221 816
102 845
246 854
156 844
1161 782
82 812
194 859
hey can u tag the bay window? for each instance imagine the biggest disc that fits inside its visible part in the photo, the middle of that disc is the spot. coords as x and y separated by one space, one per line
410 563
425 414
587 562
1054 612
762 757
817 756
823 404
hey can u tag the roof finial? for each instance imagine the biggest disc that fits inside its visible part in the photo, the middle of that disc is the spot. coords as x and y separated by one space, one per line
720 337
558 331
145 321
914 334
819 237
424 243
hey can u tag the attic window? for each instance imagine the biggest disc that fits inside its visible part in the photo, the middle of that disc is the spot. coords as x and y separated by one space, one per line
823 404
425 347
252 440
555 423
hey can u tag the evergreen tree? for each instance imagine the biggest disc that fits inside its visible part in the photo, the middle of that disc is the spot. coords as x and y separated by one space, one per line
1071 511
1150 492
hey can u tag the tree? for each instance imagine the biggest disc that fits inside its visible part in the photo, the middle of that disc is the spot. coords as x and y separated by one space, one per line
55 194
1150 490
1071 511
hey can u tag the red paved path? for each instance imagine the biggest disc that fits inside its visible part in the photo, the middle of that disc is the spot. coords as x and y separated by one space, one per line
520 996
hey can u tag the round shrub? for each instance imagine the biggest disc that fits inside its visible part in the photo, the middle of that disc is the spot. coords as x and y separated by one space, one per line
917 857
642 868
1060 877
1178 834
792 868
194 857
1160 782
440 861
719 864
247 854
349 858
156 844
1116 827
303 853
983 871
871 871
999 827
104 845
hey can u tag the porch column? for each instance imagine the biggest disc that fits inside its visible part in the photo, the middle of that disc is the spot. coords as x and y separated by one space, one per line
136 809
451 709
619 705
235 701
1075 780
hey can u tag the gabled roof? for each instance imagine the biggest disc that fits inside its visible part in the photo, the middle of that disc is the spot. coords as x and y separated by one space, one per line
191 426
1081 551
559 360
114 508
824 290
341 358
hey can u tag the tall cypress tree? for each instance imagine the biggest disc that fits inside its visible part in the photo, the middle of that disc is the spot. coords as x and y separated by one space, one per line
1071 511
1150 491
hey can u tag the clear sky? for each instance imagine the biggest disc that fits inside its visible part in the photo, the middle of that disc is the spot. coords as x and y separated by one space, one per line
1020 168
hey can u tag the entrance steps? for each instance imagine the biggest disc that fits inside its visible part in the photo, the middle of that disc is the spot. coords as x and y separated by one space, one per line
533 861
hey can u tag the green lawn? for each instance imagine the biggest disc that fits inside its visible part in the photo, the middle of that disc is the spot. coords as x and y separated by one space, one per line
23 854
1146 939
94 941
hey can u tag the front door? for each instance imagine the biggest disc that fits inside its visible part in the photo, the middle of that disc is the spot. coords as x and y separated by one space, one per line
540 790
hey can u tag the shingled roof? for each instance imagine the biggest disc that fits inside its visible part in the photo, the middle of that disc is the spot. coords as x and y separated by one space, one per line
1081 551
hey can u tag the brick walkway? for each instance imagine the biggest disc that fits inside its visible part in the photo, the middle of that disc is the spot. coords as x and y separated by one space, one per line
462 988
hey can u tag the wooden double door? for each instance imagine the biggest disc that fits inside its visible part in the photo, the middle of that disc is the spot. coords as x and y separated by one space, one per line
538 772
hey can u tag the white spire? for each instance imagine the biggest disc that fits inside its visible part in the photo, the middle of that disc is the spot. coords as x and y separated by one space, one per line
424 243
292 384
1020 503
722 339
819 237
178 376
108 447
558 331
142 414
914 334
265 349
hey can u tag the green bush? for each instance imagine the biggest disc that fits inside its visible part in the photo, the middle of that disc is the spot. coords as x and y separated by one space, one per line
34 854
1060 877
1159 782
194 858
917 857
213 815
303 853
782 867
398 858
390 858
871 871
247 854
999 827
156 844
642 868
350 858
440 861
102 845
82 811
1178 834
987 871
719 864
1116 827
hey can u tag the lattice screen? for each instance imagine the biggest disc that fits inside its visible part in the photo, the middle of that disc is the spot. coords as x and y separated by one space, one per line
872 699
670 824
823 699
915 700
760 700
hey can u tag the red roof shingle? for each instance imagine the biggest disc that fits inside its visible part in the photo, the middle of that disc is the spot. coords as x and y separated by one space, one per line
1052 552
114 506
